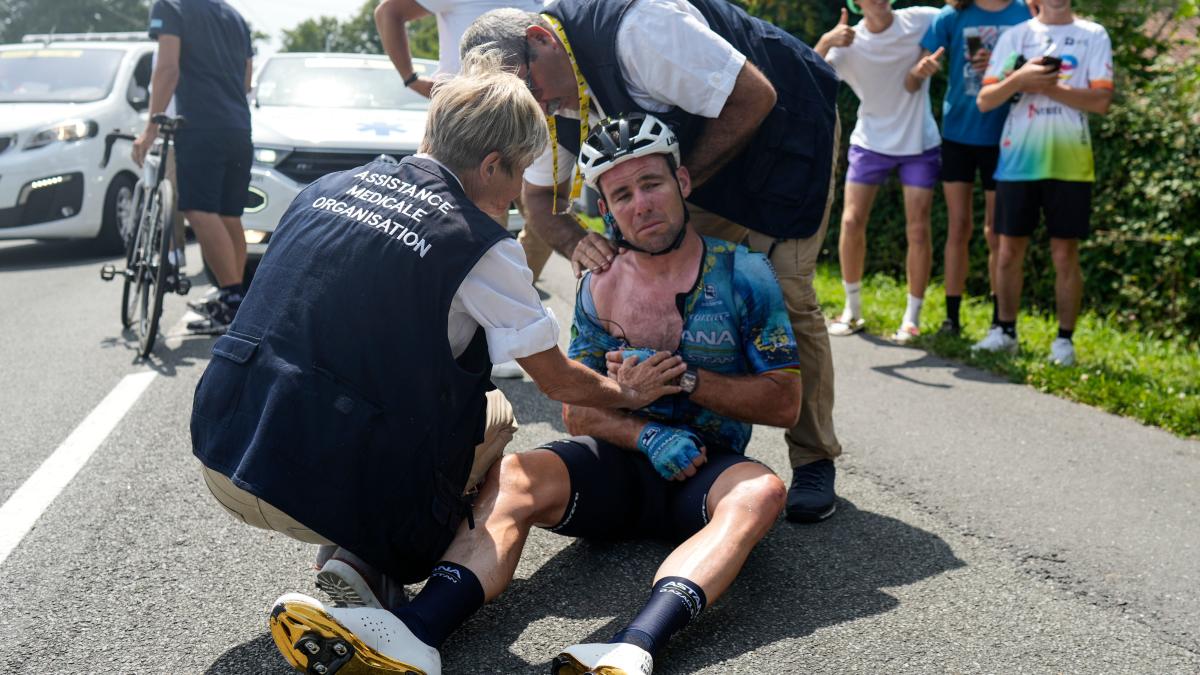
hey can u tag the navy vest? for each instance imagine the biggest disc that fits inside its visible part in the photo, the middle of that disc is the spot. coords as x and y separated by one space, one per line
779 184
335 396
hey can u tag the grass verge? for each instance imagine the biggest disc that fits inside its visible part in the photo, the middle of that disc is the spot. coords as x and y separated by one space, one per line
1152 380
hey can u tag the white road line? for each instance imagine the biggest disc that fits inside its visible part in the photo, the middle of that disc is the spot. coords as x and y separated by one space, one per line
35 495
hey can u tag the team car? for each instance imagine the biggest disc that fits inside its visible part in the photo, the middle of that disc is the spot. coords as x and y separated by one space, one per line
60 97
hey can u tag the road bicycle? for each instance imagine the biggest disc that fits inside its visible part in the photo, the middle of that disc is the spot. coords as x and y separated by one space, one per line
153 265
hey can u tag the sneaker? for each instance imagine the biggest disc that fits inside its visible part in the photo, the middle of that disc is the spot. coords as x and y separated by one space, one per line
350 582
614 658
200 305
321 640
1062 352
950 328
509 370
906 333
811 497
996 341
846 325
220 314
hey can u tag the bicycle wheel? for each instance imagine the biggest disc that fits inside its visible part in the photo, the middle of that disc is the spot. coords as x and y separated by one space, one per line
154 274
133 258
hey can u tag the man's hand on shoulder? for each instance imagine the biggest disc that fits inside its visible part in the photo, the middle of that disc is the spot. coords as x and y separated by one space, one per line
594 253
675 453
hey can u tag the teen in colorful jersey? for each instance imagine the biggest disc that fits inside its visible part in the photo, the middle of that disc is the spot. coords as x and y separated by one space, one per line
968 30
1061 67
895 131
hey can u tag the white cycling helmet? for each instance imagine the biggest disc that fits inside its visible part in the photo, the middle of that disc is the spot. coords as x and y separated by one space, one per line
618 139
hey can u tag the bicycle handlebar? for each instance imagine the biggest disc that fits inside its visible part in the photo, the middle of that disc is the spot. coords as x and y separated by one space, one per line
108 145
166 124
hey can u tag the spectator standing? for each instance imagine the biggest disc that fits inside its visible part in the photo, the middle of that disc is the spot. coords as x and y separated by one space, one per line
453 18
895 131
204 61
968 31
1061 67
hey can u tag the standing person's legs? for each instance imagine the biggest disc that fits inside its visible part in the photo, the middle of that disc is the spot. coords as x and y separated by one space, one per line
1068 220
852 243
918 203
1068 281
1010 275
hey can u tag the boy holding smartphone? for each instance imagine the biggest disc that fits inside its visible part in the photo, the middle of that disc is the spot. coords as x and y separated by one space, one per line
1045 164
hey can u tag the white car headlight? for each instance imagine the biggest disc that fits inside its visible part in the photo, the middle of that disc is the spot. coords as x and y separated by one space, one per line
269 156
70 130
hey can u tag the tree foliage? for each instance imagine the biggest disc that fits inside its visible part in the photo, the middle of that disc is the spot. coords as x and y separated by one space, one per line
357 34
20 17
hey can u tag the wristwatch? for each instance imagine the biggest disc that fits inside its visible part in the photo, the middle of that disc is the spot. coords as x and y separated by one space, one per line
689 380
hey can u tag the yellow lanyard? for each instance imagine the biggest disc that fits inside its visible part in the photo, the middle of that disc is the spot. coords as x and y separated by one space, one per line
584 105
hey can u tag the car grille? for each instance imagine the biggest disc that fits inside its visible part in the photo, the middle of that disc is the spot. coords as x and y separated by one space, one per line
6 141
305 166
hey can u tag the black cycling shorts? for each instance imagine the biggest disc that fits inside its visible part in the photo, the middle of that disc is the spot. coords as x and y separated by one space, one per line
1066 204
212 170
616 493
960 162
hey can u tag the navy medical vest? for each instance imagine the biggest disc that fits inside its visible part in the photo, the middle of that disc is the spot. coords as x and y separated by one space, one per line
779 184
334 396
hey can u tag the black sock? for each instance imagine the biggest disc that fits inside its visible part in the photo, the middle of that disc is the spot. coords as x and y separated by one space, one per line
953 303
1067 333
1009 328
674 601
231 294
452 594
995 311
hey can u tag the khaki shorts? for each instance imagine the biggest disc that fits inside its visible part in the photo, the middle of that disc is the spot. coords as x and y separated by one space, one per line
498 431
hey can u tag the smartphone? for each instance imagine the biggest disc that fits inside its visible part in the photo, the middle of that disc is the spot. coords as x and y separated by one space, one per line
974 44
1054 62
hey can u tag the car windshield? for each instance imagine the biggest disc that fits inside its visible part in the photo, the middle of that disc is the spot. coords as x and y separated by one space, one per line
335 82
52 75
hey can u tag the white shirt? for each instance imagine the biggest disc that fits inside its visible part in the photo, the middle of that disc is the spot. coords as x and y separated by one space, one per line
891 120
498 294
455 16
668 57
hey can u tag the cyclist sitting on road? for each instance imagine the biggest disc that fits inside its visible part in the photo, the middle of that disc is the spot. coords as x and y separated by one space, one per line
349 402
204 61
673 471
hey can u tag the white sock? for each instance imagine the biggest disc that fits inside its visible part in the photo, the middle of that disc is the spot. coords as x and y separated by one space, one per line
853 299
912 313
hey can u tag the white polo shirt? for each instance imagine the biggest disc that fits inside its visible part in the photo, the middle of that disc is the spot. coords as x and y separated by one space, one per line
453 19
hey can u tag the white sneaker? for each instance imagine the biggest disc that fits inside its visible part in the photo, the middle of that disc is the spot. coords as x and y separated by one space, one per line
509 370
321 640
846 325
906 333
616 658
1062 352
996 341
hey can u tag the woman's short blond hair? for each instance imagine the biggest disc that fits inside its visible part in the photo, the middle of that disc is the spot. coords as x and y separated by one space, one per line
484 108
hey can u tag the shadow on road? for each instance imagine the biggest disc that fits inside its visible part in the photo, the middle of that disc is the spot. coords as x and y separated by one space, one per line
258 656
37 255
924 359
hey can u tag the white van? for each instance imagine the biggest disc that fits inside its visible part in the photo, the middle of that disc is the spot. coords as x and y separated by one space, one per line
60 96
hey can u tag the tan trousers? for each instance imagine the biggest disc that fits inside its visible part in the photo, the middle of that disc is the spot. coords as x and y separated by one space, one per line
795 263
498 431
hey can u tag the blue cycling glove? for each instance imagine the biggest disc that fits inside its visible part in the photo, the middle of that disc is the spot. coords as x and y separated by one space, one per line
670 450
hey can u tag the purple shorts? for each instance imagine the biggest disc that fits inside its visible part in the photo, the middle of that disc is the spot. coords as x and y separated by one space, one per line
872 168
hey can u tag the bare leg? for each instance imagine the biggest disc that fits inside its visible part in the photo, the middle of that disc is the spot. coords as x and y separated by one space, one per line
1009 275
852 241
744 502
993 239
918 202
1068 282
520 491
958 235
237 235
218 246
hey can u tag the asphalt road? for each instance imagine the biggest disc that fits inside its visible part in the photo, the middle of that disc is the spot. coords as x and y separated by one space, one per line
983 527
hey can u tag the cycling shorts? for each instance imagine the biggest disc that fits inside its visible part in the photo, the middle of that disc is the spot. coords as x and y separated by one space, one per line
213 170
616 493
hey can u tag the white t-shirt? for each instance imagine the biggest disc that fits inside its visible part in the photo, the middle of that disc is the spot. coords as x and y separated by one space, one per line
891 120
1042 138
498 294
669 58
455 16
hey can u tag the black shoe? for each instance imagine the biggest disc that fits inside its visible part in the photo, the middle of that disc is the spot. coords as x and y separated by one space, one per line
950 328
220 315
811 498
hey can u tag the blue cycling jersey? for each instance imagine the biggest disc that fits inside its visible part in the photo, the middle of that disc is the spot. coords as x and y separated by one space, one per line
735 323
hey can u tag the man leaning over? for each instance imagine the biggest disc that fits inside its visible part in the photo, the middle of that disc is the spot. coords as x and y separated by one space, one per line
204 61
754 109
674 471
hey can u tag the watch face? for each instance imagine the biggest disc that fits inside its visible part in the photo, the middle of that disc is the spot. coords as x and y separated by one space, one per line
687 382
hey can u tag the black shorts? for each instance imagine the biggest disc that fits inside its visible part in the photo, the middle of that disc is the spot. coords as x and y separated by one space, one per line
960 162
1067 205
617 494
212 169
